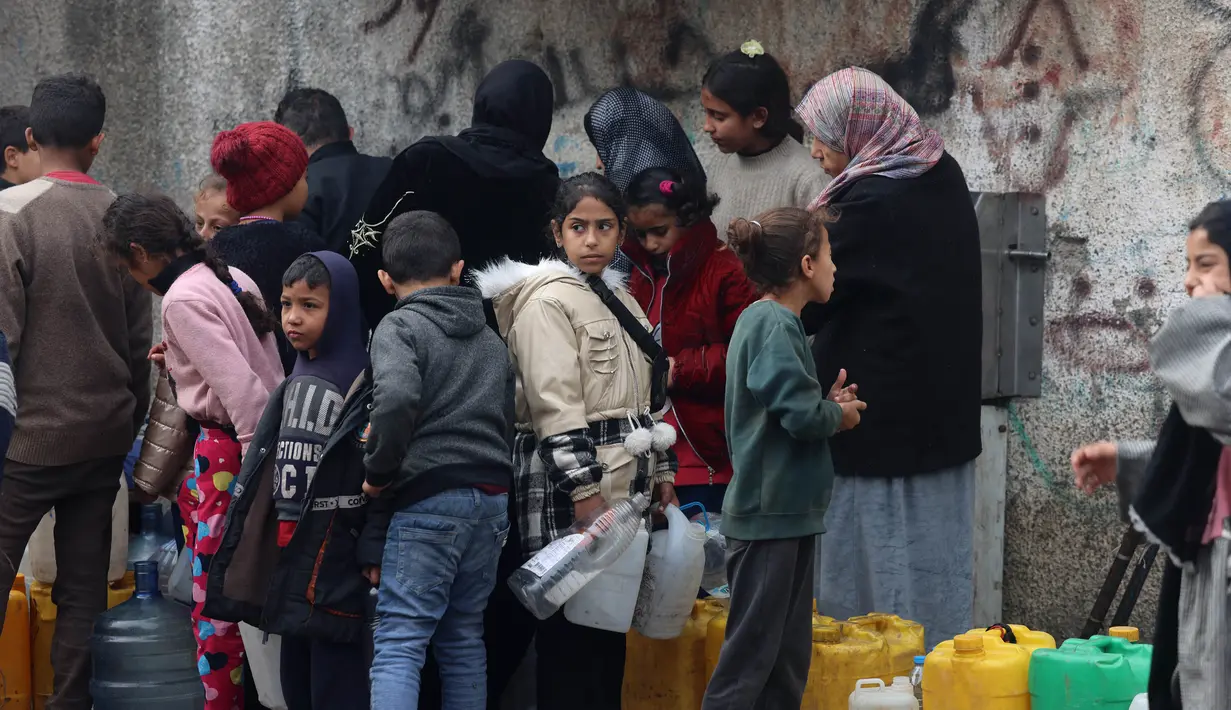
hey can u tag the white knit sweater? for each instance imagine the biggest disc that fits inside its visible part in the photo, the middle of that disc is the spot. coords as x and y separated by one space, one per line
786 176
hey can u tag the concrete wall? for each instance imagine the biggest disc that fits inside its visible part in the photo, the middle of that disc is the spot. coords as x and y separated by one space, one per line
1113 108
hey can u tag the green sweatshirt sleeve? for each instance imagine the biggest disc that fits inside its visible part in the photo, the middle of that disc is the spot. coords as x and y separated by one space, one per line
782 382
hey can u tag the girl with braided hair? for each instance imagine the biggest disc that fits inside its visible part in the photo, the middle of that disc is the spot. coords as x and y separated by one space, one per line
220 354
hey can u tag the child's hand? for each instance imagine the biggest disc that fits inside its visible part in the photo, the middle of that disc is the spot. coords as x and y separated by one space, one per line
851 413
158 355
371 490
840 393
664 495
1094 465
583 508
373 575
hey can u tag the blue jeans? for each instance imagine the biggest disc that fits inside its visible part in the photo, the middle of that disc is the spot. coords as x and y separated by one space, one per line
438 570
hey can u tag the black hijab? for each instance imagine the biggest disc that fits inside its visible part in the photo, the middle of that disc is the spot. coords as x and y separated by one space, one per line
512 118
633 132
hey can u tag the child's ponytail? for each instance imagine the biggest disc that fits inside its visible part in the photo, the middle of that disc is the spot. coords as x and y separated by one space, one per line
773 245
687 199
157 225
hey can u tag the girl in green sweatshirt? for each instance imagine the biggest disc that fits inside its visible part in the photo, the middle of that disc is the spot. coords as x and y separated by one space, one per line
779 419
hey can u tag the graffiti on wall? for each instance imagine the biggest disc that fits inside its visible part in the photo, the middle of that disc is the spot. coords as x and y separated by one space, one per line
652 47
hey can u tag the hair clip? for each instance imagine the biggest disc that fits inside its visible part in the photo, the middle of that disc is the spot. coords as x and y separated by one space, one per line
666 187
752 48
758 224
235 289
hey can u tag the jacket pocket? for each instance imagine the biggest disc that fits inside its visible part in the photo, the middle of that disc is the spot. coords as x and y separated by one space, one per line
601 347
619 471
338 585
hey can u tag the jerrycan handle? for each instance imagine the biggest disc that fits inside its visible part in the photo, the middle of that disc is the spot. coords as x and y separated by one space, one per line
869 683
704 515
1006 632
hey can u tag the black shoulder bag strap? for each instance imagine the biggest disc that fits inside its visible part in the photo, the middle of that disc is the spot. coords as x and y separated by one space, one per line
660 367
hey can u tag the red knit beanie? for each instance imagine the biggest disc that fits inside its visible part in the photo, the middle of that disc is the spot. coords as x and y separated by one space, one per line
261 161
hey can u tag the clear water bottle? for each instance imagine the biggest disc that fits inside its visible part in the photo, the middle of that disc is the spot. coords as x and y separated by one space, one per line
146 545
560 570
144 653
916 678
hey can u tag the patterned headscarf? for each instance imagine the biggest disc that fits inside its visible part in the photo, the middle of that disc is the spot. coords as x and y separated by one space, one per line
854 112
632 132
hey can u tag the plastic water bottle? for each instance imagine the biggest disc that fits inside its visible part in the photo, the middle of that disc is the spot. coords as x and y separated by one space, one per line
560 570
916 678
146 545
144 654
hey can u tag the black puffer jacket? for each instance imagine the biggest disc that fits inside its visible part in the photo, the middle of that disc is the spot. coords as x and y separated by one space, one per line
314 587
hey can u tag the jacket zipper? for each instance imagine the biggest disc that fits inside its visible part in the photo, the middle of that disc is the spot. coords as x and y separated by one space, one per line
679 422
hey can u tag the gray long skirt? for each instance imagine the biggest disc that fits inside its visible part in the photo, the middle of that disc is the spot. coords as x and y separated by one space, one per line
901 546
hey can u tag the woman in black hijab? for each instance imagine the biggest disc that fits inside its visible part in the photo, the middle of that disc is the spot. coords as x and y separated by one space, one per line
633 132
495 187
491 181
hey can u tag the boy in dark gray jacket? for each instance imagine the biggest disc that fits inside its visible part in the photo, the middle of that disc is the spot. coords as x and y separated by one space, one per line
438 456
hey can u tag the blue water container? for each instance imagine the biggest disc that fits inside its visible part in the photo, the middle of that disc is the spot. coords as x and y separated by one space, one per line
145 656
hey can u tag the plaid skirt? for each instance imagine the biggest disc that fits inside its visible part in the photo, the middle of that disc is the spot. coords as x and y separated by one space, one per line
544 512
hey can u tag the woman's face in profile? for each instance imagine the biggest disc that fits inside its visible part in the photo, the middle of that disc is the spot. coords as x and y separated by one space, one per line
832 162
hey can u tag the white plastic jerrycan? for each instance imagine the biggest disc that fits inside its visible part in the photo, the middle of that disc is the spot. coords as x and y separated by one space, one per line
871 694
672 577
608 600
1141 702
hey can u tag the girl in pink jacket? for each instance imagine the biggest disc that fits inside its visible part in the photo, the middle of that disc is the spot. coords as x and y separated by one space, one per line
220 354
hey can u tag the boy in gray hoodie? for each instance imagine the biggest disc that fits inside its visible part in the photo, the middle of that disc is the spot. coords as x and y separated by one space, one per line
438 456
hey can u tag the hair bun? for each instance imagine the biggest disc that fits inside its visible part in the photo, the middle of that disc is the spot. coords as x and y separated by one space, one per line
230 153
743 234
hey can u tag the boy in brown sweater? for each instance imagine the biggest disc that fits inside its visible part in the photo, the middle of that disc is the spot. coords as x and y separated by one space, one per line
79 332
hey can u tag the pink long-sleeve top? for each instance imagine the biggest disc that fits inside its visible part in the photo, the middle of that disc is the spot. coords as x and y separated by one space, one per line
223 372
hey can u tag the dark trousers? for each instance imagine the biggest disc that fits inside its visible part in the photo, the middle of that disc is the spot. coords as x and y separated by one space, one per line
764 662
578 667
508 630
82 495
322 675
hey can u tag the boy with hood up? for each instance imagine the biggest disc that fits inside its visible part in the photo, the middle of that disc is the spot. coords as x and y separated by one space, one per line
293 548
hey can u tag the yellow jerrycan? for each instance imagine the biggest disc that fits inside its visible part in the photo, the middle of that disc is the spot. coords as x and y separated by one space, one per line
1023 636
903 638
669 674
715 635
15 648
977 672
842 654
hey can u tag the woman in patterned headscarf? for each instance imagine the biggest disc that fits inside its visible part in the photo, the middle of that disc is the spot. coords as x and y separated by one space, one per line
906 323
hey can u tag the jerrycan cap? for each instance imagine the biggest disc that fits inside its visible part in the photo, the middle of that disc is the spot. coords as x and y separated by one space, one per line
1128 633
826 634
968 643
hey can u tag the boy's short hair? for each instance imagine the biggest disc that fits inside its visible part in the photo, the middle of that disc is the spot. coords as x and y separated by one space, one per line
14 120
420 246
315 115
67 111
307 268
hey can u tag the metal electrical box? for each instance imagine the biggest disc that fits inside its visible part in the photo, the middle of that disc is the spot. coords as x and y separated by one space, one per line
1013 241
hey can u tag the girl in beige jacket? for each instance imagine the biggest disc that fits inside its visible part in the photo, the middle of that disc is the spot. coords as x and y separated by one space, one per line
583 414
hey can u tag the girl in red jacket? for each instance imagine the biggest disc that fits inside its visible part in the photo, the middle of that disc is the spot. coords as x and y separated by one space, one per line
693 289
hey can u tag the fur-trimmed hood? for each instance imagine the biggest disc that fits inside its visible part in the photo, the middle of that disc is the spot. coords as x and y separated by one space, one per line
512 284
